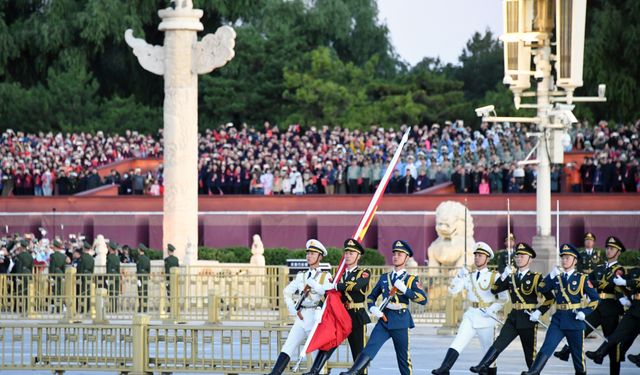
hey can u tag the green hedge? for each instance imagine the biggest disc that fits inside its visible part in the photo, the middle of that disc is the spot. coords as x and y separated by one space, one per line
278 256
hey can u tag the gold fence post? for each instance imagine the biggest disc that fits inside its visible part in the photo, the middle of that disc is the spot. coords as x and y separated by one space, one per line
213 315
31 296
283 280
100 315
174 290
92 299
140 344
69 295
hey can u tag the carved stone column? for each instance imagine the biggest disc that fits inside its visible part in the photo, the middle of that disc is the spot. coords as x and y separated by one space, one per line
180 61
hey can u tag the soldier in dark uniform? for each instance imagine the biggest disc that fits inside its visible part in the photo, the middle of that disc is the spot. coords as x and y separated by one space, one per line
507 253
589 257
354 285
86 265
143 269
569 287
523 319
24 269
57 263
629 326
395 320
609 308
170 262
113 278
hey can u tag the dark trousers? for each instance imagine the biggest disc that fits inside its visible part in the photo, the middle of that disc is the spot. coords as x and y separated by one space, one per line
575 338
143 292
400 337
609 323
358 336
627 331
527 337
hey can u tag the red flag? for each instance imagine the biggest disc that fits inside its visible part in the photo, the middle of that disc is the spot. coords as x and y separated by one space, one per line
335 326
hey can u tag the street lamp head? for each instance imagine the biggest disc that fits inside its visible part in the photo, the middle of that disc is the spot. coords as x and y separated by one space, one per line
485 111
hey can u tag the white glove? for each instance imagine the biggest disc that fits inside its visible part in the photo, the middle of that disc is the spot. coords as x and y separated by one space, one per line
394 306
313 284
625 302
554 272
580 315
400 285
376 311
139 284
619 281
463 272
535 316
507 271
106 282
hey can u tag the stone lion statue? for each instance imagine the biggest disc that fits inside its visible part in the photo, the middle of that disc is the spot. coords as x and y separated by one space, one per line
448 249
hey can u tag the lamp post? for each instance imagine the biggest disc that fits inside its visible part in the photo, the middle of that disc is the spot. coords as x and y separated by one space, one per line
529 26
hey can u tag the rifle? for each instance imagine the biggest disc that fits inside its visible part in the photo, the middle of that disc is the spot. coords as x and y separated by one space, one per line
386 301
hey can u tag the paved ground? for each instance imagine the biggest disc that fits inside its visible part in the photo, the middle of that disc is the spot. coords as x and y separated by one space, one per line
428 349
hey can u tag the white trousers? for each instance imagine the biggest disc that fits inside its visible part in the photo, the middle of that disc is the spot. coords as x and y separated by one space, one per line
466 333
299 332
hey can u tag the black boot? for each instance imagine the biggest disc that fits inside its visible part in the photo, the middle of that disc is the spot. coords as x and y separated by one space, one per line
360 364
581 373
321 358
492 371
599 354
538 364
281 364
563 354
449 359
634 358
487 360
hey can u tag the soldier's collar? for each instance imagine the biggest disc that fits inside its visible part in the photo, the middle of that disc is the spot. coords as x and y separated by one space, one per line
483 270
524 272
611 264
352 269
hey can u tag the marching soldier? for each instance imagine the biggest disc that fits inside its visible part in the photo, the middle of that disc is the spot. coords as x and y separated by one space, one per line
57 263
507 253
479 319
170 262
311 285
113 278
354 285
610 308
589 257
24 269
523 319
629 326
569 287
397 288
143 269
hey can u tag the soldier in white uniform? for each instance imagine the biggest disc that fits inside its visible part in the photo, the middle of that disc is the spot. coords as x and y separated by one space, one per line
480 317
311 286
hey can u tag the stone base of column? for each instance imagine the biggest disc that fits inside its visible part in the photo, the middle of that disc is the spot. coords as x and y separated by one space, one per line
546 251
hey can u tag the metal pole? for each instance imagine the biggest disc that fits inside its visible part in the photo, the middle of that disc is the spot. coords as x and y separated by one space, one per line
543 190
509 232
465 233
558 231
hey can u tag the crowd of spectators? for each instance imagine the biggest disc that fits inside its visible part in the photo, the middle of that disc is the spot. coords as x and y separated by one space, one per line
325 160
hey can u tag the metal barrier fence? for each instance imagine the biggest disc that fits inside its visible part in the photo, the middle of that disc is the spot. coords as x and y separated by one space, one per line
213 295
141 347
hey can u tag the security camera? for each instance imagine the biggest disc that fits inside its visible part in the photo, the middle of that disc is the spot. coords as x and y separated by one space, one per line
485 111
538 75
602 88
507 81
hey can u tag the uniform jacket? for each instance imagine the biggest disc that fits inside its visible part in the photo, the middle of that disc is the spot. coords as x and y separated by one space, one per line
170 262
57 262
354 288
479 291
24 263
588 263
143 265
113 264
398 319
86 264
633 286
602 279
313 299
525 291
574 289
